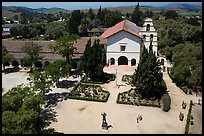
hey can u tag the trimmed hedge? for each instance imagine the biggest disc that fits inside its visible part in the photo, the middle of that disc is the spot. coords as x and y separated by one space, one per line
135 103
188 120
166 102
70 96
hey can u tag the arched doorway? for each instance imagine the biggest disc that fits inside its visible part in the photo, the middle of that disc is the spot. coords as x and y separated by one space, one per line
46 63
162 62
112 61
122 60
133 62
148 27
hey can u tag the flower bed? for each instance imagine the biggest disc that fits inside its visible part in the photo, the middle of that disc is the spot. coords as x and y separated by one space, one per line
132 98
89 92
127 79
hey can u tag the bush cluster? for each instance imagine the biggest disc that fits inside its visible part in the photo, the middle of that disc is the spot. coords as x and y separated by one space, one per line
136 103
166 102
188 118
74 95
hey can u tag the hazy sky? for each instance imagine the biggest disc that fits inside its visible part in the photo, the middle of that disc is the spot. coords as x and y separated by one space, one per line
85 5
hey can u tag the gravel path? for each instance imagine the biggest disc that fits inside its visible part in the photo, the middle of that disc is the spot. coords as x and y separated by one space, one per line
78 116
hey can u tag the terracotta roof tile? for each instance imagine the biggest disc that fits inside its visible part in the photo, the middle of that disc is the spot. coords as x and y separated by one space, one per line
123 25
15 47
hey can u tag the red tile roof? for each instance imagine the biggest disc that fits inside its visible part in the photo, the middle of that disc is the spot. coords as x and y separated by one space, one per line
15 47
123 25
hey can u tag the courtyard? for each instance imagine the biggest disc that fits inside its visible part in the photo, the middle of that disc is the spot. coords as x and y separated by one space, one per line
79 116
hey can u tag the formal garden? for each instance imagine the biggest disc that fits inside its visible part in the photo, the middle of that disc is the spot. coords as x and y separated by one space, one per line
89 92
127 79
133 98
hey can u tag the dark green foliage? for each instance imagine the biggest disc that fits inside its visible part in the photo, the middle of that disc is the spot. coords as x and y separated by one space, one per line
91 14
25 62
94 60
64 46
21 111
74 21
166 102
137 16
188 120
181 44
148 14
55 30
15 63
171 14
32 51
28 30
6 57
112 18
148 77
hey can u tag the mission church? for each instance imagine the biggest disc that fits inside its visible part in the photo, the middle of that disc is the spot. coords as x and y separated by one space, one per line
125 41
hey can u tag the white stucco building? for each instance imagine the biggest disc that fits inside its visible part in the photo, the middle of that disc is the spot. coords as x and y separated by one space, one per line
125 41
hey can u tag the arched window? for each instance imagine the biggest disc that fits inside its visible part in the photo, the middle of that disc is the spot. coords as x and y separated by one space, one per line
46 63
38 64
133 62
144 37
15 63
162 62
112 61
151 37
148 27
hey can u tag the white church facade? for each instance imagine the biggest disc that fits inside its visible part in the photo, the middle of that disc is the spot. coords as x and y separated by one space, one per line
125 41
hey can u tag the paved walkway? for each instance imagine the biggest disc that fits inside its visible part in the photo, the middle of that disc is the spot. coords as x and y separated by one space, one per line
177 97
78 116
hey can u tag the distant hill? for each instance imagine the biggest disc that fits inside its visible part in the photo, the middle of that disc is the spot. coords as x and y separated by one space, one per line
11 11
184 7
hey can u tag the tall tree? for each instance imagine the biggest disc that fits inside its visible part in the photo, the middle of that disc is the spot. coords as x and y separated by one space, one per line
32 50
86 56
6 57
91 14
137 16
64 46
94 60
148 76
74 22
112 18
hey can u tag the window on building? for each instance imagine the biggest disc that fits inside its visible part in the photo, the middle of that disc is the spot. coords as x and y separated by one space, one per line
144 37
148 27
122 48
151 37
133 62
112 61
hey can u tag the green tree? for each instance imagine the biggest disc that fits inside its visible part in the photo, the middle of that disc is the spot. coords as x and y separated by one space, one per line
64 46
91 14
171 14
112 18
86 58
93 66
147 79
137 16
55 30
32 50
6 57
148 13
58 69
74 22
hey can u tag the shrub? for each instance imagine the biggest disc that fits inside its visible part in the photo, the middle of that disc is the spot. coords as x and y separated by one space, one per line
188 118
166 102
15 63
